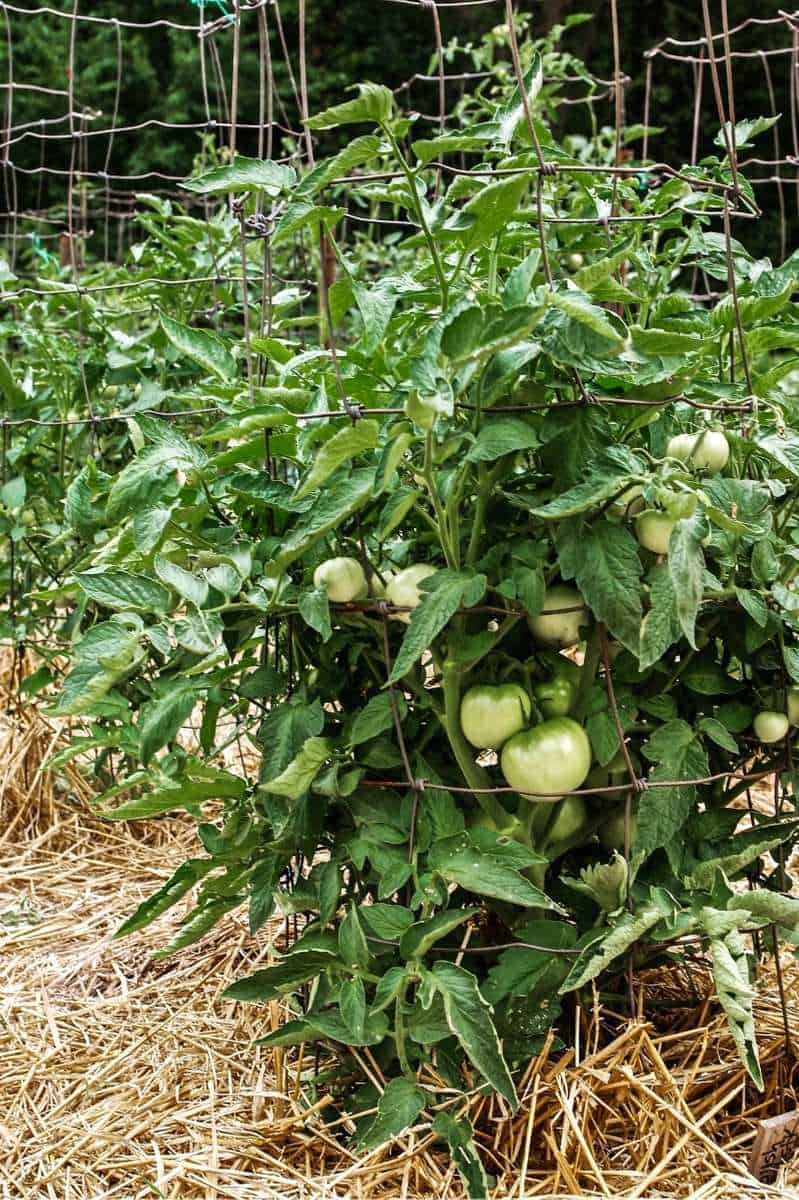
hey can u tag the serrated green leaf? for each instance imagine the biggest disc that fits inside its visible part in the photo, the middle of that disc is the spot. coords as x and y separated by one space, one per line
442 596
204 348
243 175
345 445
314 608
176 887
374 103
469 1018
190 587
687 569
608 945
352 944
125 592
459 1136
162 719
335 504
300 773
376 718
500 436
419 939
397 1109
578 307
604 560
289 974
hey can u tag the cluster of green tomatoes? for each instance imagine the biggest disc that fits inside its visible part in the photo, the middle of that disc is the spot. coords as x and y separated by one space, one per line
543 752
542 762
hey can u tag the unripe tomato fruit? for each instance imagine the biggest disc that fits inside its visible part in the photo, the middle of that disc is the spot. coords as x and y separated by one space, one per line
559 622
611 831
793 705
403 589
612 774
551 758
570 818
556 696
709 451
653 530
490 715
574 261
379 587
342 578
770 726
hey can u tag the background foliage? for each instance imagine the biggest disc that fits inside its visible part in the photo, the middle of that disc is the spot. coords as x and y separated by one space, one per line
160 77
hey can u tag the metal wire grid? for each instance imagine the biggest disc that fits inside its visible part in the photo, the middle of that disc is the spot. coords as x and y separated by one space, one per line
711 55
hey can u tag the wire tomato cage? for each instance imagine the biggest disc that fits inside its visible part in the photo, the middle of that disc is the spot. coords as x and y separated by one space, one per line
77 197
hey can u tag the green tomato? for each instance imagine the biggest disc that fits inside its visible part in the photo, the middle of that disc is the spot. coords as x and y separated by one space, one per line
342 578
611 830
574 261
653 530
403 589
793 705
420 411
560 620
612 774
770 726
708 451
379 587
490 715
570 817
27 517
556 696
551 758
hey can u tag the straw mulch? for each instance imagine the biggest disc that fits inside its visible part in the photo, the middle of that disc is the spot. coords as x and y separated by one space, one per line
124 1077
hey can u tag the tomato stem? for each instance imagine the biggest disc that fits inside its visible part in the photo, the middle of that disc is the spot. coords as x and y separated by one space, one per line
593 652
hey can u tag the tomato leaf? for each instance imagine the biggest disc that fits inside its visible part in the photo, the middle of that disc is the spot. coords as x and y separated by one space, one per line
243 175
124 591
419 938
442 596
500 436
209 351
300 773
687 568
469 1017
376 718
397 1109
459 1136
314 608
374 103
603 559
342 447
281 979
162 719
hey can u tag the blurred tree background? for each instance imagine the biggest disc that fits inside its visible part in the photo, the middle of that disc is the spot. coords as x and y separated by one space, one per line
348 40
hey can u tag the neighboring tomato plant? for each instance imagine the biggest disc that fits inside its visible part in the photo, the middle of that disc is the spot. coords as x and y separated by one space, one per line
378 600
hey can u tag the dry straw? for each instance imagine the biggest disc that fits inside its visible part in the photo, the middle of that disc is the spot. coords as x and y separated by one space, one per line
124 1077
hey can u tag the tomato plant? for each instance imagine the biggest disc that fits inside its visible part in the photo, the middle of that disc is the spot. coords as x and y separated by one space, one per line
367 566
